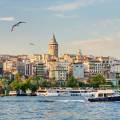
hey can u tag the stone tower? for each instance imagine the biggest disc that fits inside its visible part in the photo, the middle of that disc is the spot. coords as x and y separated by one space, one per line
53 47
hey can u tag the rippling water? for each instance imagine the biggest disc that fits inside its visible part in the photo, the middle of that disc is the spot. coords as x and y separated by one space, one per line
56 108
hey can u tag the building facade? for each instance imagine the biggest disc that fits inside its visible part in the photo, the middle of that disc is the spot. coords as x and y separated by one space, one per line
78 70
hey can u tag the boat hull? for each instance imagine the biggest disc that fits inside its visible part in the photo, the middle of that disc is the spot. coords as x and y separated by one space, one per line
106 99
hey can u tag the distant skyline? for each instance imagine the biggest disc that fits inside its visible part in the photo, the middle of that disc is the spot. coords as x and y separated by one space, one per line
90 25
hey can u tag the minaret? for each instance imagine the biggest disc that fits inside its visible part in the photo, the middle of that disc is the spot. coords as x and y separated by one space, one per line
53 47
79 52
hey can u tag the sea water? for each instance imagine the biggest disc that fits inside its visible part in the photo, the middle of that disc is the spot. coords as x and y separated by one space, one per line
56 108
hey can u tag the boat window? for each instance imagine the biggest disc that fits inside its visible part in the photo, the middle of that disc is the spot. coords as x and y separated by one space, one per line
109 94
100 95
42 91
92 95
74 91
105 95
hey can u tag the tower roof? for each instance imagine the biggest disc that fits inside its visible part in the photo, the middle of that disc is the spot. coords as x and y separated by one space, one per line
53 40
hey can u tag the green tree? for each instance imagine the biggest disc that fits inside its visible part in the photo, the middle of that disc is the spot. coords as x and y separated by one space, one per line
72 82
14 85
82 84
18 76
46 83
38 80
97 80
33 86
17 85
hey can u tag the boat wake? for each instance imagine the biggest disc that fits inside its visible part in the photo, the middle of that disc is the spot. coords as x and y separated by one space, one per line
82 101
65 101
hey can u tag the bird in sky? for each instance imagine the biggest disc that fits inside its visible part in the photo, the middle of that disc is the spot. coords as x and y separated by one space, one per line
32 44
15 25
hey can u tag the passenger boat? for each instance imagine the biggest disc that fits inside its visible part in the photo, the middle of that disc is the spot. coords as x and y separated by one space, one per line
12 93
105 96
64 92
45 92
75 92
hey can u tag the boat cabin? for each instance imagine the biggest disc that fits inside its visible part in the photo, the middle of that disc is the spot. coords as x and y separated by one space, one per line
103 93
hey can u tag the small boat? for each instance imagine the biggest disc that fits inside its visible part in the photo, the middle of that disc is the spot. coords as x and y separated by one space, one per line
2 95
41 92
30 93
105 96
45 92
21 93
12 93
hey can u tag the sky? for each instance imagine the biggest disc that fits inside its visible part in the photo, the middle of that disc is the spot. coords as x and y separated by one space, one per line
90 25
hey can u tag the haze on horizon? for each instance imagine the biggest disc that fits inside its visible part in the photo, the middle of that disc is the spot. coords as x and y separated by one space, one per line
90 25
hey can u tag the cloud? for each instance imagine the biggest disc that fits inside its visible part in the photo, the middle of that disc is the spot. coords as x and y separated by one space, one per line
101 46
108 23
97 44
70 6
7 19
74 5
66 16
61 9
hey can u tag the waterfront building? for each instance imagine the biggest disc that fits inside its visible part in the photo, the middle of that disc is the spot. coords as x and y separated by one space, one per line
59 73
58 70
93 67
29 69
21 67
110 66
1 69
10 66
39 69
78 70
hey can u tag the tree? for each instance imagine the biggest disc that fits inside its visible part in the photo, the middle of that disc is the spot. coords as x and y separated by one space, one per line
46 83
14 85
18 76
72 82
38 80
32 84
33 87
97 80
82 84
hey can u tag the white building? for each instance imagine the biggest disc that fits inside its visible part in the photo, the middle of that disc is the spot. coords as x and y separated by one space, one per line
60 73
10 66
58 70
115 68
93 67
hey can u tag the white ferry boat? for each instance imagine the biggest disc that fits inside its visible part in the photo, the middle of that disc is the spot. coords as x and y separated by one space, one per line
64 92
75 92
